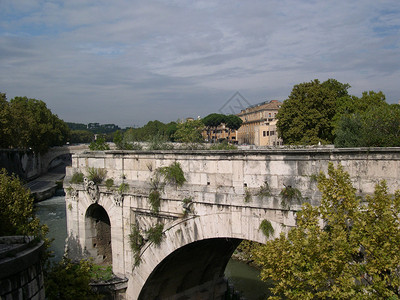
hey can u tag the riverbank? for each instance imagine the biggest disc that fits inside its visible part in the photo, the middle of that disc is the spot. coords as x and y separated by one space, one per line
45 187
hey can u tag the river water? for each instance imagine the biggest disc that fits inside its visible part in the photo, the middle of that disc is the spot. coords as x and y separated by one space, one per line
243 277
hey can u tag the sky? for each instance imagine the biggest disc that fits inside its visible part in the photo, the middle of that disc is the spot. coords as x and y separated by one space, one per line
128 62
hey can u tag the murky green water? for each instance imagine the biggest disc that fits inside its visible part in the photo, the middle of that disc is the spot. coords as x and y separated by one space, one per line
52 213
243 277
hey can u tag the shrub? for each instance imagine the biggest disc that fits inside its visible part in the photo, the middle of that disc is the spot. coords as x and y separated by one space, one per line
290 194
99 145
173 174
158 142
136 242
123 187
224 145
247 195
70 281
109 183
77 178
96 175
155 199
266 228
101 273
264 190
155 234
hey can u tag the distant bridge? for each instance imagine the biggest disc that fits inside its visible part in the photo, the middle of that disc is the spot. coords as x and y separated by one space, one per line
205 219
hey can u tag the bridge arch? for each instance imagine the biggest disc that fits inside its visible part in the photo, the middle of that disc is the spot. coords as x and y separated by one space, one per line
204 243
98 234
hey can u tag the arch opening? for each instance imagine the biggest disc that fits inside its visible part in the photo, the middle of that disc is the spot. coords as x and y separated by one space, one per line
198 264
98 234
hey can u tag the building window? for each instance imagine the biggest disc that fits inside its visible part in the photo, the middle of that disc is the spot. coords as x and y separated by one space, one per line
264 133
272 132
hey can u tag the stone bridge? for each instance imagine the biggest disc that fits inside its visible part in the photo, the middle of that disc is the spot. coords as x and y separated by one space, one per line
181 248
56 152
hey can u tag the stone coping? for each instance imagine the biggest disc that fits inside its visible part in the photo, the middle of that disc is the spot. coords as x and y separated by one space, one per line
16 253
289 150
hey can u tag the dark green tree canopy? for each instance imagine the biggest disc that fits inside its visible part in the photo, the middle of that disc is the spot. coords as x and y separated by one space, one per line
354 253
306 117
28 123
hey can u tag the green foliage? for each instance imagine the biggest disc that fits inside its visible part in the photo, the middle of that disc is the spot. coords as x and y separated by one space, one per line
155 201
97 175
158 142
70 281
173 174
99 144
77 178
136 242
289 195
245 251
17 213
247 195
123 188
266 228
189 132
264 191
69 206
81 136
307 116
187 200
155 234
101 273
355 255
379 126
212 121
28 124
109 183
224 145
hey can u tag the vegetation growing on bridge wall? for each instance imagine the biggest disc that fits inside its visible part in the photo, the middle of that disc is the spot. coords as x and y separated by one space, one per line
97 175
247 195
109 183
155 234
123 188
266 228
264 191
173 174
289 195
77 178
136 242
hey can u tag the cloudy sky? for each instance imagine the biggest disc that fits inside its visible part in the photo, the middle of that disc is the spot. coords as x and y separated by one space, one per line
128 62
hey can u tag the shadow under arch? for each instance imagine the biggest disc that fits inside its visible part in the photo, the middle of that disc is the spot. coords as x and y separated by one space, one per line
195 264
98 234
186 232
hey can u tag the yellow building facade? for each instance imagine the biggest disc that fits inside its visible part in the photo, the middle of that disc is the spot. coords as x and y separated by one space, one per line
259 124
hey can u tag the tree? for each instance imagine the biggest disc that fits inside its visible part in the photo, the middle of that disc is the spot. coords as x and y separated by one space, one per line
17 214
212 121
307 116
81 136
30 124
376 126
5 122
189 132
354 255
233 122
69 281
99 144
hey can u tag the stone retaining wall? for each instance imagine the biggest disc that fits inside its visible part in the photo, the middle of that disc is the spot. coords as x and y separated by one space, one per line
21 275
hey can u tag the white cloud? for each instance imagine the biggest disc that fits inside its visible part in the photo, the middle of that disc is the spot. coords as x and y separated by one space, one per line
133 61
